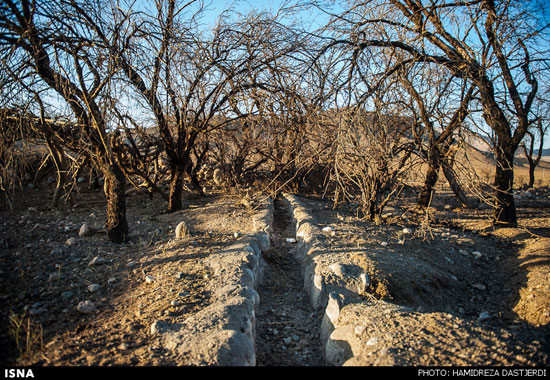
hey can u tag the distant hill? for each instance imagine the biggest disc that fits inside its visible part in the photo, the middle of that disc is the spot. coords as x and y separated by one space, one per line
545 152
482 145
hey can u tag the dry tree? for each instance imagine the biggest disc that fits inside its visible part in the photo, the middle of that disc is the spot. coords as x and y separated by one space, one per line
496 46
59 44
372 158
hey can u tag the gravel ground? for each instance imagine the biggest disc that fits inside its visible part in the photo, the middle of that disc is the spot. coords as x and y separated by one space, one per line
471 295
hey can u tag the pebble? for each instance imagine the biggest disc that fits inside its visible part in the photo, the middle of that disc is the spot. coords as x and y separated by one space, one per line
479 286
287 340
98 261
67 294
483 316
84 230
372 341
149 279
85 307
111 280
329 230
477 254
71 241
56 251
182 231
93 288
407 231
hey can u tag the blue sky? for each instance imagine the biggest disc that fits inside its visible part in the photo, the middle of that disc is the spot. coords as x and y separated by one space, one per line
216 7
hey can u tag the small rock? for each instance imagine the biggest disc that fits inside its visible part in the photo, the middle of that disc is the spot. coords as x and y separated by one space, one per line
85 307
180 275
329 231
407 231
84 230
477 254
111 280
123 346
56 251
175 303
149 279
53 277
384 243
98 261
483 316
93 288
287 341
290 240
479 286
182 230
71 241
372 341
236 235
67 294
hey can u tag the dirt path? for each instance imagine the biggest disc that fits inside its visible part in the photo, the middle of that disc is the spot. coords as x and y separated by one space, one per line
287 326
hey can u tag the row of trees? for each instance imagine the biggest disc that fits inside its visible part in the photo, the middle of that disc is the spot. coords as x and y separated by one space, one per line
382 84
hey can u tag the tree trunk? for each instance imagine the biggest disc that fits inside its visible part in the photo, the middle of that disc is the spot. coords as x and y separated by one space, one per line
58 157
532 167
58 190
114 187
434 164
447 166
504 211
176 187
192 173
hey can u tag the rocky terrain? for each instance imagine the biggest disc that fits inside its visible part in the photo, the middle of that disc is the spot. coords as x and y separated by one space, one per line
452 292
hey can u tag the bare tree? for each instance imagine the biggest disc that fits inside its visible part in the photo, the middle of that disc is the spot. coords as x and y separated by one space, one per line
491 44
439 105
534 158
189 79
59 44
537 132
